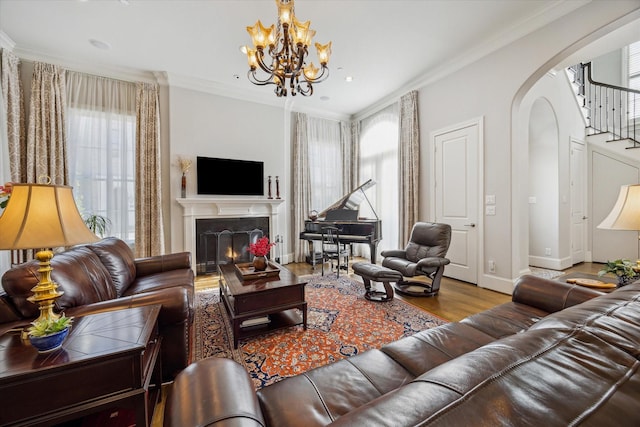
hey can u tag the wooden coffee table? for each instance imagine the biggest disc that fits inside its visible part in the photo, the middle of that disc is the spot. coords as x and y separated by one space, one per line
262 304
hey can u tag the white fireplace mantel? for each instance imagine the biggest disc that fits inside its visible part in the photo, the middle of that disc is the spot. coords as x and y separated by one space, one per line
225 207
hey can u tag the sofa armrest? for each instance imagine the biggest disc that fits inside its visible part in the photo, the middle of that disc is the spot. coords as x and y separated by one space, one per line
175 322
177 305
432 262
160 263
396 253
8 312
550 295
213 392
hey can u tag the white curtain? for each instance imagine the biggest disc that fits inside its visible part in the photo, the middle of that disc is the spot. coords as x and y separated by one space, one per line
301 185
325 162
379 161
101 136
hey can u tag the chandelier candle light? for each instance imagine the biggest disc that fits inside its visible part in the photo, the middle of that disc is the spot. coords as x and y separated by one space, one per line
287 42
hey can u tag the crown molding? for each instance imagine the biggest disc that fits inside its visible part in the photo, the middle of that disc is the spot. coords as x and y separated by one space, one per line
6 42
119 73
516 31
265 97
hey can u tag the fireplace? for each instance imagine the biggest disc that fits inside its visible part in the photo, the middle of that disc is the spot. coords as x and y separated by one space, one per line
226 241
238 221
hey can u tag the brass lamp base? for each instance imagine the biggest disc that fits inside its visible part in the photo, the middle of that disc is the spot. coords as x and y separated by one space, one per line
45 292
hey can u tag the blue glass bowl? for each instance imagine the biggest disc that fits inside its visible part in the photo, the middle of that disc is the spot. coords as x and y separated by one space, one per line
49 342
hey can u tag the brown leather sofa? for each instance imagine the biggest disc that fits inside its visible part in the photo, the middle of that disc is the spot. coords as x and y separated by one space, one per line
556 355
105 276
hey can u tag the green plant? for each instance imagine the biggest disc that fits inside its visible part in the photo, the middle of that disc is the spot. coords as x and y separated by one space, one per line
619 267
44 327
98 224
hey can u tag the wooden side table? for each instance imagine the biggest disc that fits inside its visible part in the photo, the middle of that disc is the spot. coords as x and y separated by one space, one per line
110 361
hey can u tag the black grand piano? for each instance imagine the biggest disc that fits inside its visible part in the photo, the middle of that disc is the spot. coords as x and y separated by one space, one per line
343 214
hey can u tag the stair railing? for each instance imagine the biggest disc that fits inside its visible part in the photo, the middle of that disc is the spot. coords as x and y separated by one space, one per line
611 109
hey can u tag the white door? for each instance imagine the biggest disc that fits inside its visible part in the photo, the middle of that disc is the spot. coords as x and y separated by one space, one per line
578 201
456 197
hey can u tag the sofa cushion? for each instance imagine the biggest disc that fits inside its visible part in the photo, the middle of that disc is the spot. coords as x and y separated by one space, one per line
332 390
167 279
119 260
78 273
550 377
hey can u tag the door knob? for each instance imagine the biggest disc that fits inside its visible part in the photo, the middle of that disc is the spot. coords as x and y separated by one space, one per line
470 225
585 217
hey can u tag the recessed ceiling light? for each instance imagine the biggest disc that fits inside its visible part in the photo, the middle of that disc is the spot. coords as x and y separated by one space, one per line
100 44
348 79
125 2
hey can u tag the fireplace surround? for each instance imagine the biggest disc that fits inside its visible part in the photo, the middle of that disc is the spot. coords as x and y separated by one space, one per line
227 212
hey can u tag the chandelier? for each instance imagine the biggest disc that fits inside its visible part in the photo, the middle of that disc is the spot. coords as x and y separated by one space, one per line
287 44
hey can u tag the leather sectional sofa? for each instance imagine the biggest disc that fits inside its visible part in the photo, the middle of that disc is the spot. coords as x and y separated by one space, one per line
556 355
105 276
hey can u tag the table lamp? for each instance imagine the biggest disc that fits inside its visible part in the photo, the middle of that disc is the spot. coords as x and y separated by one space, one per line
625 214
43 216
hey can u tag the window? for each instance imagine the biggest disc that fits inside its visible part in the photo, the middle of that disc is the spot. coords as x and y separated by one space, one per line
101 139
379 140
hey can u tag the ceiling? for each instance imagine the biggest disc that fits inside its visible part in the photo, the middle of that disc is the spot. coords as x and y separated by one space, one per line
387 47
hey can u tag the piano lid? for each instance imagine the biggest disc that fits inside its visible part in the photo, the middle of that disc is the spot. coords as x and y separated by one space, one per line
352 200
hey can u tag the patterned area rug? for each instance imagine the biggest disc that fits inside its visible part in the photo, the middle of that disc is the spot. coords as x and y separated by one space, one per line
543 272
341 323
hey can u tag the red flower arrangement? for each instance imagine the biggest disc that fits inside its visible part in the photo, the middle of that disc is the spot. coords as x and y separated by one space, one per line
5 192
261 247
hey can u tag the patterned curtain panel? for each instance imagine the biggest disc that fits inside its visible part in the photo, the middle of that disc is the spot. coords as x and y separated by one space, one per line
409 164
301 183
13 103
46 140
149 239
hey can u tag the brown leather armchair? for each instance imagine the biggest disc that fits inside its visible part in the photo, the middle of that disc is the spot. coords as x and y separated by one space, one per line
424 255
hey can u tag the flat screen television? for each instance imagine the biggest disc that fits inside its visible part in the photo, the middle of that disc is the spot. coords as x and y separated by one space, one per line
230 177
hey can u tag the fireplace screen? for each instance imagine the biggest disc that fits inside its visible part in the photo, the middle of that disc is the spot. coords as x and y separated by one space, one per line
226 241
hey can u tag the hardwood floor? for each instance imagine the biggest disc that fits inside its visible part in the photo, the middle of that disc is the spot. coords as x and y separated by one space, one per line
455 301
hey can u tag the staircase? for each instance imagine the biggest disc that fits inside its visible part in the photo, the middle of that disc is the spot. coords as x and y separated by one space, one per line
611 113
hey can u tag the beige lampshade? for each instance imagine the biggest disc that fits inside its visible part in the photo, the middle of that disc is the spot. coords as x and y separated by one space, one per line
625 214
42 216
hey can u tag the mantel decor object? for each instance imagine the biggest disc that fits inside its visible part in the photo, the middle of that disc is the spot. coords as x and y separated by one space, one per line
247 271
185 165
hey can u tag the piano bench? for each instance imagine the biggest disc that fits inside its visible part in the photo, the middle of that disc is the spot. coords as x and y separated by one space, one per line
377 273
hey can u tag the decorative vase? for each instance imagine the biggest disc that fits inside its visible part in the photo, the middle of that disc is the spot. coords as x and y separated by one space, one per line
183 192
259 263
49 342
625 280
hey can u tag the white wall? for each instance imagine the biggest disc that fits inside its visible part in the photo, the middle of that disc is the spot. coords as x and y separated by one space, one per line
204 124
543 193
494 87
556 92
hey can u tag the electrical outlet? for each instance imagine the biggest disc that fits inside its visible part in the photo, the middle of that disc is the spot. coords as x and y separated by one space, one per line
547 251
492 266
